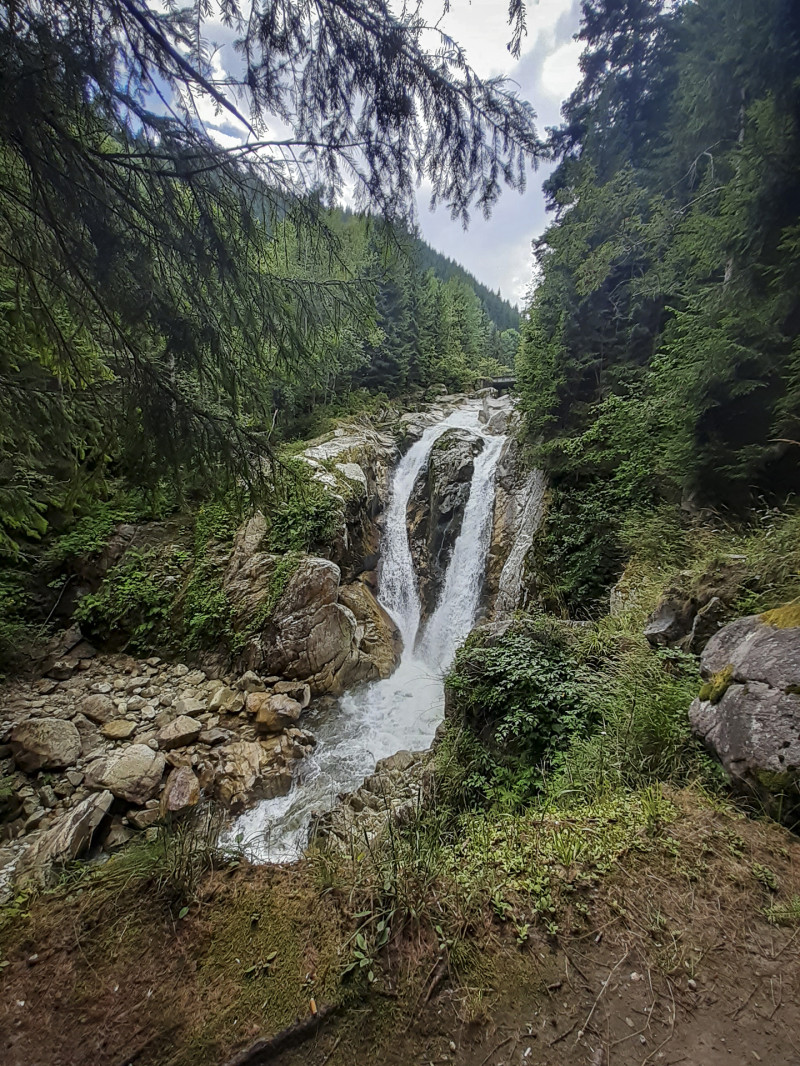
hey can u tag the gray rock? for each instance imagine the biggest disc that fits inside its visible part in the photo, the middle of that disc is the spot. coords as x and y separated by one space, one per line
250 682
751 720
190 707
669 622
133 773
183 730
708 621
68 839
45 744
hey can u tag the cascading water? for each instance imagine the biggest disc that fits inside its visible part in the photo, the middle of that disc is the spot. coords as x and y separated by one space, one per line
403 710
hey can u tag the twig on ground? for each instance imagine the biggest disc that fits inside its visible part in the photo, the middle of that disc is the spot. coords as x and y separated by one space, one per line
599 996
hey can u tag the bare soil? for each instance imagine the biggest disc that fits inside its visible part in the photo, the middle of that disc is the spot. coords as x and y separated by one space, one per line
669 959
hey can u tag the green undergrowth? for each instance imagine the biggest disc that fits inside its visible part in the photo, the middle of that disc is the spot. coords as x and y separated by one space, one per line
304 515
578 557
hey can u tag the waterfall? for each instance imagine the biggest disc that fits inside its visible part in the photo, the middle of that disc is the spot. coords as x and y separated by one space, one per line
401 711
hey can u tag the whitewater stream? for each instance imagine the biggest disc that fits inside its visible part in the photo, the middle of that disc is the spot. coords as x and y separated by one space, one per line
377 719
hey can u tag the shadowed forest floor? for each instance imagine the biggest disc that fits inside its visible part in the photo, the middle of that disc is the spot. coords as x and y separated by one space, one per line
686 952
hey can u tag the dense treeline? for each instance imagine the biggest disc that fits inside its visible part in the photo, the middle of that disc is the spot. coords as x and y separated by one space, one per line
660 361
427 324
169 306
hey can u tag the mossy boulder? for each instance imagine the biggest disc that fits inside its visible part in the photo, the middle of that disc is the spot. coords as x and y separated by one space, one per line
748 710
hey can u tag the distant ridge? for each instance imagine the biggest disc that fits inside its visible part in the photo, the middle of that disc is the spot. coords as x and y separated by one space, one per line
500 311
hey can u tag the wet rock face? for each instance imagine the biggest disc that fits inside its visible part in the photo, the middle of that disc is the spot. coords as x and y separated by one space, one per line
318 632
400 787
748 713
436 510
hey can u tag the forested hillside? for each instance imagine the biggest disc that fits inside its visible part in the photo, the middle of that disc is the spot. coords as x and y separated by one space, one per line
661 361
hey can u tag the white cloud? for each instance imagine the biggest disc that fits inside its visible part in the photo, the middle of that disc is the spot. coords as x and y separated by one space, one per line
560 71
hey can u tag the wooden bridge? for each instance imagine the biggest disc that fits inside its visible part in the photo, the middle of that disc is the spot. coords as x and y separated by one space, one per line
501 384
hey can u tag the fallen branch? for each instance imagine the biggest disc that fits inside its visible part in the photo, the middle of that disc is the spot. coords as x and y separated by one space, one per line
263 1051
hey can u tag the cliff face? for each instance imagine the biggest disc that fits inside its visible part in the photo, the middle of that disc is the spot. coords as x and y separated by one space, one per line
436 510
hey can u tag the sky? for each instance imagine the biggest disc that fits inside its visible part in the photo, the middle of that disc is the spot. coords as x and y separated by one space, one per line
498 250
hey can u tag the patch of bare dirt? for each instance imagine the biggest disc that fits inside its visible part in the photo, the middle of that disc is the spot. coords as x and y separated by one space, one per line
668 960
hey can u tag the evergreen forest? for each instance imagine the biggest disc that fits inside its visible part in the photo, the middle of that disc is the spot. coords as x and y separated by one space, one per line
660 364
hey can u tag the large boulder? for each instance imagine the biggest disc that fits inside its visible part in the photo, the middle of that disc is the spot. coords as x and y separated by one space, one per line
68 839
380 643
312 636
248 770
436 510
748 711
45 744
132 773
181 792
273 712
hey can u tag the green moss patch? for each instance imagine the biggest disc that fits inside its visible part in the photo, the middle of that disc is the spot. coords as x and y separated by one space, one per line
717 685
786 617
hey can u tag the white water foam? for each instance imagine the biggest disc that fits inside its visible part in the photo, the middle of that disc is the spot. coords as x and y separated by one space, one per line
402 711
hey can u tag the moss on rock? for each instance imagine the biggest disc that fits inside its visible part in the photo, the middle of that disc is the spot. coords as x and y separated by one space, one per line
717 685
785 617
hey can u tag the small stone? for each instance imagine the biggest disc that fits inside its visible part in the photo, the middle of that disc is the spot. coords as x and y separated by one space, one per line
63 669
102 687
47 796
180 670
143 819
194 677
135 703
691 985
190 707
118 729
117 836
74 777
213 736
183 730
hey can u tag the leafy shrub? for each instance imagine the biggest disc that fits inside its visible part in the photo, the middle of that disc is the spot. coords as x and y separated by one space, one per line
639 702
15 629
135 599
522 696
305 514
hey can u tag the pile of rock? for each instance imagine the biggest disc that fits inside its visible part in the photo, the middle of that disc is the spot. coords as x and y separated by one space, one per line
400 786
110 745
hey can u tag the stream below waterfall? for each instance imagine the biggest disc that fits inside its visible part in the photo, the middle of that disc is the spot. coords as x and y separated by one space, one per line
402 711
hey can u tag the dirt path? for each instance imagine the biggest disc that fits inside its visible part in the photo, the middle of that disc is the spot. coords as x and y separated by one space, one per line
667 959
